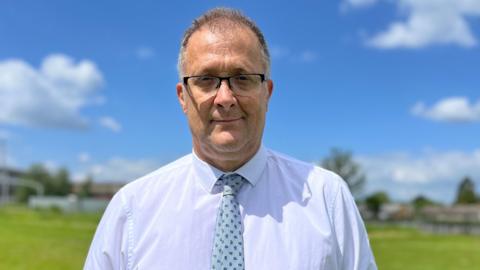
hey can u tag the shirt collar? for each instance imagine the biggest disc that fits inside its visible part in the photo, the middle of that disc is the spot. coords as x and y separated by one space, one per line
208 174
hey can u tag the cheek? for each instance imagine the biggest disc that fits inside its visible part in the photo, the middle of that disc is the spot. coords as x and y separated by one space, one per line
199 116
255 108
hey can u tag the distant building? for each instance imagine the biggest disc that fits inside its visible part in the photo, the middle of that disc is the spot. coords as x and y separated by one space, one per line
396 212
457 219
100 190
388 212
11 172
8 178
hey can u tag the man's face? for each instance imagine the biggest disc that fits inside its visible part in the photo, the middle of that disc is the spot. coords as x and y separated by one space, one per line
225 125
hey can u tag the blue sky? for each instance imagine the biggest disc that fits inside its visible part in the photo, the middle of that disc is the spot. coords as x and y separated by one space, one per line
90 85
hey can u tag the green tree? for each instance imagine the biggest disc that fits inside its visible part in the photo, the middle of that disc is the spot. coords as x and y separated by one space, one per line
342 163
54 184
23 193
61 184
37 173
421 201
86 188
466 192
375 201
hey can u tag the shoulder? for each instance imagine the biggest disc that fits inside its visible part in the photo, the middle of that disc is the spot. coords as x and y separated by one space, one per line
322 186
296 169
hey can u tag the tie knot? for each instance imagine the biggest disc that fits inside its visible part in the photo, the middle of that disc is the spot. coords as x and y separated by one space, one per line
232 183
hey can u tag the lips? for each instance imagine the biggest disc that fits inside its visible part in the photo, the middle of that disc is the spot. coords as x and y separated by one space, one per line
230 120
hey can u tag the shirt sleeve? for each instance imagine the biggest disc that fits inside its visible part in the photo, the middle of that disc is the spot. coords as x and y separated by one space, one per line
108 249
351 235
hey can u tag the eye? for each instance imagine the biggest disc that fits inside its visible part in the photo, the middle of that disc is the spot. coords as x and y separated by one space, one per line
242 78
205 78
203 81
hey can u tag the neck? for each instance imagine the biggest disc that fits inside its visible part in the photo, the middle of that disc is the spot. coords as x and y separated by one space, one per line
226 161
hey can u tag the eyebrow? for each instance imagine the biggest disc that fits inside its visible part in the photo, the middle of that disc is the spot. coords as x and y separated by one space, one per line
216 71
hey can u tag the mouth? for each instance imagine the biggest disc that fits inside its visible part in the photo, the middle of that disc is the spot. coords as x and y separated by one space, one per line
226 121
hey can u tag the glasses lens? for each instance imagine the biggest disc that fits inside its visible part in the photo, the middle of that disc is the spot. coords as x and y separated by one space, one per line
240 84
245 83
203 83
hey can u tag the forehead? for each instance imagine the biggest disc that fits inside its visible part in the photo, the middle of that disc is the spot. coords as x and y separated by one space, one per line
223 50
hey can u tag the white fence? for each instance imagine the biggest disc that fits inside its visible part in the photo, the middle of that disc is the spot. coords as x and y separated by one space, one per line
68 204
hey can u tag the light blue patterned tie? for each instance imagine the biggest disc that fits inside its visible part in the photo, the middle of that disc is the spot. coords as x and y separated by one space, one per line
228 244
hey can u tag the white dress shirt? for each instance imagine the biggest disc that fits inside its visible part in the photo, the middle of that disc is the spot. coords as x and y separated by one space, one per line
296 216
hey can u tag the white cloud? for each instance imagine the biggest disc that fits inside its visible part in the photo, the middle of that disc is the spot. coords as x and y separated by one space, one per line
110 123
50 96
308 56
51 165
430 22
118 170
305 56
346 4
360 2
278 52
84 157
145 53
433 173
452 109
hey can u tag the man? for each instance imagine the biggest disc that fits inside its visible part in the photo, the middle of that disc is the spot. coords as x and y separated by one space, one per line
231 203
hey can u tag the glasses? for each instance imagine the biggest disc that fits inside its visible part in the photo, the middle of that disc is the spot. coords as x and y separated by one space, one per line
242 84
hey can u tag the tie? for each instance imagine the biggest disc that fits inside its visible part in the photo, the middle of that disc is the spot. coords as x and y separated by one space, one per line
228 242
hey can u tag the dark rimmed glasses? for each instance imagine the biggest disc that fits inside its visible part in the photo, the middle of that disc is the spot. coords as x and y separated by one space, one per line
241 84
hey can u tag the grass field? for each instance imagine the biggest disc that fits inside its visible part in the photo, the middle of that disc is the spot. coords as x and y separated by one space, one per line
409 249
49 240
37 240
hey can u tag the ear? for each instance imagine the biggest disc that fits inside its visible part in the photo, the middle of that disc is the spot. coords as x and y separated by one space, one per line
269 91
269 88
181 97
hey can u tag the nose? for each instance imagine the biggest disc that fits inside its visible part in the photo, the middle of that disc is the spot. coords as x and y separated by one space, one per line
225 97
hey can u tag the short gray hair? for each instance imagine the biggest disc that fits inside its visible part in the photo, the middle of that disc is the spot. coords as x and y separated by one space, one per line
222 19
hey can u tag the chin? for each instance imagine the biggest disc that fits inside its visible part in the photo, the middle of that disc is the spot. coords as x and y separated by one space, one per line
228 146
228 143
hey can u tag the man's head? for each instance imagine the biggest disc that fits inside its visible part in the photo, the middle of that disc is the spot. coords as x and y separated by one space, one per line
226 118
222 20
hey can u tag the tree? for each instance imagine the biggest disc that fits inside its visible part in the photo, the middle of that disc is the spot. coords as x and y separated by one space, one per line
61 185
341 163
466 192
36 173
54 184
86 188
421 201
375 201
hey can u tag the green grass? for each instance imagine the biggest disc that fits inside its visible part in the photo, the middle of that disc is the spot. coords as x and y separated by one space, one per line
50 240
44 239
403 248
